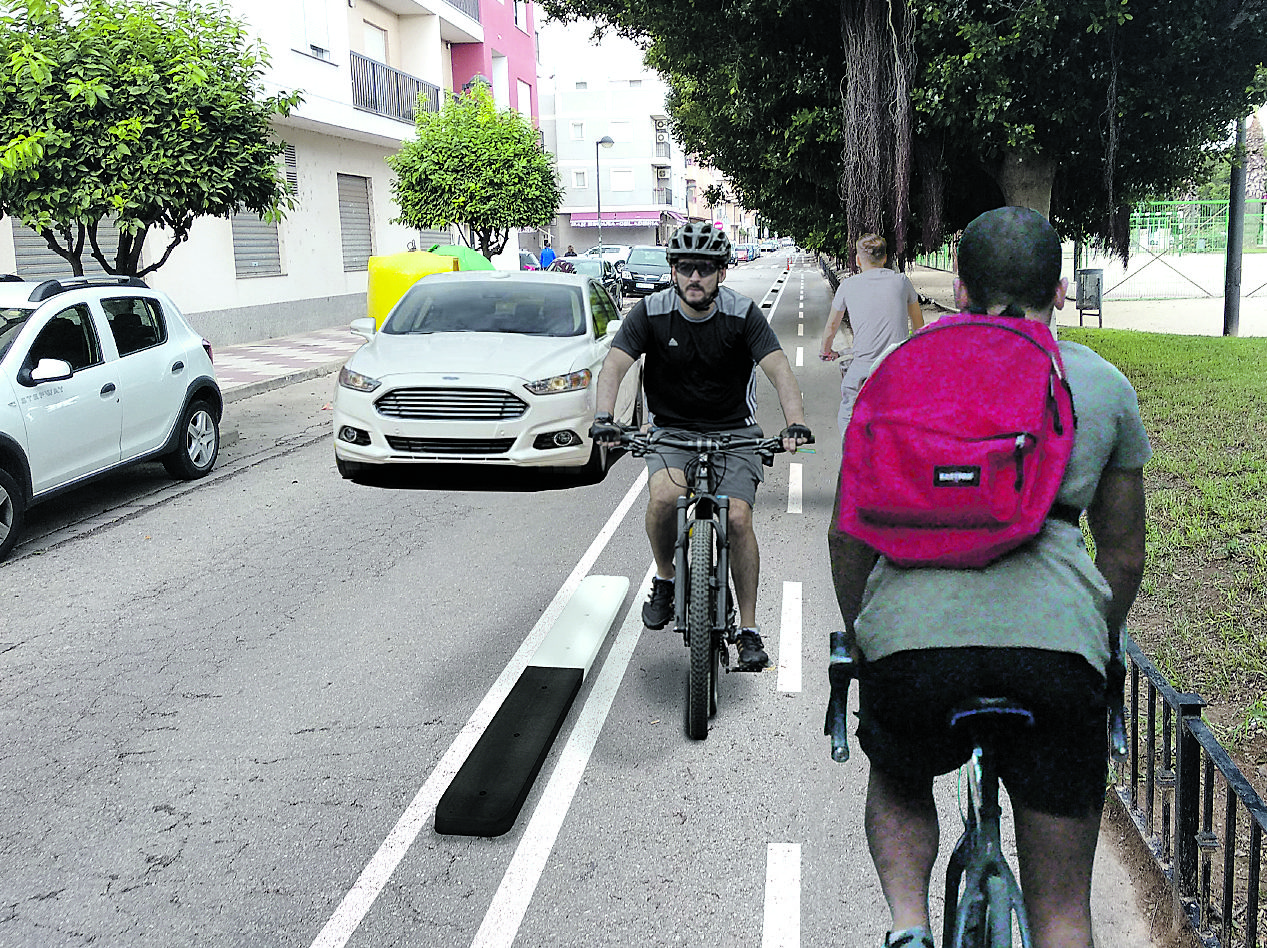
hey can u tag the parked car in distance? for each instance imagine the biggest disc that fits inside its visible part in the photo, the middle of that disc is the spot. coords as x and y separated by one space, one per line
613 253
769 245
606 273
95 374
528 260
646 271
746 252
488 367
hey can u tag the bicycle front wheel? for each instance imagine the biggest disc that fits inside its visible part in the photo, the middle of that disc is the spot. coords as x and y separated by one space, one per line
699 631
998 913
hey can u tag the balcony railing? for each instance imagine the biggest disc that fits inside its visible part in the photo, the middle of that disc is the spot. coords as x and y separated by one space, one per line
470 7
386 91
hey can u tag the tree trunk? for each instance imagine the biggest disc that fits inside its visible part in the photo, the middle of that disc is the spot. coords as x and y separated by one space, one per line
1026 180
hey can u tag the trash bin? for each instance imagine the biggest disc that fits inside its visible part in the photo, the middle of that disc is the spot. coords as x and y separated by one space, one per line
390 276
1090 291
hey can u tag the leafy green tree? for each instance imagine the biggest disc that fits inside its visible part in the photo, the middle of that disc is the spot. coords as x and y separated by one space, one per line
478 167
912 118
150 114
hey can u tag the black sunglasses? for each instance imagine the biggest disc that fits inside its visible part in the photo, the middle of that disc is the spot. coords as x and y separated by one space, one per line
704 268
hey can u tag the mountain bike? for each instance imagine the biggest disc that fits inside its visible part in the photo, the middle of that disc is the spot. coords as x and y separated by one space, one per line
703 606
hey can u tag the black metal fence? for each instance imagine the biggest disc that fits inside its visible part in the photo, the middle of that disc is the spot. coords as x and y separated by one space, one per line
1194 810
386 91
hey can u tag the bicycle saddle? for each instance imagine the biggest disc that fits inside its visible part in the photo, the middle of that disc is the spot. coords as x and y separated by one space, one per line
990 711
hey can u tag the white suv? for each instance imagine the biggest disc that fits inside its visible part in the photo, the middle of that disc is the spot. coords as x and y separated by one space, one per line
94 374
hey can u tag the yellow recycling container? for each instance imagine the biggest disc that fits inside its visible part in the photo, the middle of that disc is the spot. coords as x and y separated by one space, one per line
391 275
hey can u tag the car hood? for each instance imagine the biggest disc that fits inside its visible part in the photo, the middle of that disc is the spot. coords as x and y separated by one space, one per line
483 353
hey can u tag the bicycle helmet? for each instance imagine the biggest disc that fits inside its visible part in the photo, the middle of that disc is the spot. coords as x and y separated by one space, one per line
699 239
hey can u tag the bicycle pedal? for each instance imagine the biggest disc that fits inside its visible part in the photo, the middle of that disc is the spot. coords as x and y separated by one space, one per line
750 666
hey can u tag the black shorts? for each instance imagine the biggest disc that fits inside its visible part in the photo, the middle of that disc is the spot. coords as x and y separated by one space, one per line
1058 767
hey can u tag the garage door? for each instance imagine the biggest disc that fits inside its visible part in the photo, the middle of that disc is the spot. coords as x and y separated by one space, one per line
36 262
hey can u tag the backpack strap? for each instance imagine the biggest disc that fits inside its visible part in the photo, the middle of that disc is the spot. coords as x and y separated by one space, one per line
1066 513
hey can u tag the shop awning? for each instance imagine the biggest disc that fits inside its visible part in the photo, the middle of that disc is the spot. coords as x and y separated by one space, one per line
649 218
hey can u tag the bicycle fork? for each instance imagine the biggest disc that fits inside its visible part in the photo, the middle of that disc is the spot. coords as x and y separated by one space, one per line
704 506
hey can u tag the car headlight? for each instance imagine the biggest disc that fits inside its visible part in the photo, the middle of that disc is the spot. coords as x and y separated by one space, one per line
356 381
572 382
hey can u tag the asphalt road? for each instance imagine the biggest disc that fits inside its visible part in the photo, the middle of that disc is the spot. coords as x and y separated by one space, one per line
230 707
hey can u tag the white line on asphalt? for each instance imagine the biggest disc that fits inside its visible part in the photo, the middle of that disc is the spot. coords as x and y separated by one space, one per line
510 903
800 329
794 488
376 874
790 639
800 356
782 926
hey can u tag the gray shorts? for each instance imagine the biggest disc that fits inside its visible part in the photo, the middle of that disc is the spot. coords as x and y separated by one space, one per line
737 473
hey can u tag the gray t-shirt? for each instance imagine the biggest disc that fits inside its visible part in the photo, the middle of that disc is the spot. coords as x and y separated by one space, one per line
876 301
1047 594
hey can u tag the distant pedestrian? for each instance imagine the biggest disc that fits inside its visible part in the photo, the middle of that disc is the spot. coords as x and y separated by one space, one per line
547 256
571 251
883 310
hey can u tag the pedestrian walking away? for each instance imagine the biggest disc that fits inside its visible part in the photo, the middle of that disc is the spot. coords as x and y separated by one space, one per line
883 309
1040 626
547 256
703 343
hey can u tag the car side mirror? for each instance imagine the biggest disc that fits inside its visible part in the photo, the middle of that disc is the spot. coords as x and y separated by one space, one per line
364 326
48 370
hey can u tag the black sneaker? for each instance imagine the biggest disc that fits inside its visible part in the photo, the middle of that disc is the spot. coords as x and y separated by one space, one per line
751 649
658 609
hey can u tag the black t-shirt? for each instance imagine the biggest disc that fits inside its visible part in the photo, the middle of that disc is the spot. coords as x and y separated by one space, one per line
699 375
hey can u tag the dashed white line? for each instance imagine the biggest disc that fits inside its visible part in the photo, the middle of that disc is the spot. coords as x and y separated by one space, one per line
800 356
794 488
790 639
782 924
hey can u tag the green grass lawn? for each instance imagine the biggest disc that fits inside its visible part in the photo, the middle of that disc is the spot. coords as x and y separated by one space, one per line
1202 609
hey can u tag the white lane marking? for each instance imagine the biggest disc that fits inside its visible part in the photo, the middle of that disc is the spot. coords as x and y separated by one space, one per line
510 903
782 925
800 329
376 874
795 491
800 356
790 639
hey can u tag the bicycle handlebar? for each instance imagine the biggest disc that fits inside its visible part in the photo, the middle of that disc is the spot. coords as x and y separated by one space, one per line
641 443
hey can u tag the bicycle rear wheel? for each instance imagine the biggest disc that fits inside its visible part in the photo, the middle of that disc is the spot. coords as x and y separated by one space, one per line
699 631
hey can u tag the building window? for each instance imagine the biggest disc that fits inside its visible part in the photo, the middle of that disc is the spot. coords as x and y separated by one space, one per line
523 95
316 23
635 83
256 249
622 179
521 15
582 85
375 43
354 222
578 180
578 131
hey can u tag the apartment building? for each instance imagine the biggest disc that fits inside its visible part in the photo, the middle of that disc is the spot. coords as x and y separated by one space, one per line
739 222
360 65
595 91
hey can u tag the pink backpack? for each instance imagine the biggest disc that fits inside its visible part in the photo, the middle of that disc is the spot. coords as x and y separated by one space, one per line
958 443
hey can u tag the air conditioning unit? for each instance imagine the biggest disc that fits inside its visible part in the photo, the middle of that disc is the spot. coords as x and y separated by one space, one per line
664 173
661 123
662 136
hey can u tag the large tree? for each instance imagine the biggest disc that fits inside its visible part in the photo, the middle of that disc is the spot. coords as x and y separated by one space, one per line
920 115
477 167
149 114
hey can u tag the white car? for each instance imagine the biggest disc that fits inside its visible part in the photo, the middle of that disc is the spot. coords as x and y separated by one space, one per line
489 367
94 374
613 253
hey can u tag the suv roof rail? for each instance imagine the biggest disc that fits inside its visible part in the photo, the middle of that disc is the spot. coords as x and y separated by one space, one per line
50 288
10 278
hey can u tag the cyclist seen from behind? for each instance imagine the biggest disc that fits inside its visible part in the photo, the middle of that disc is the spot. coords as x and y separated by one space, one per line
1032 626
703 343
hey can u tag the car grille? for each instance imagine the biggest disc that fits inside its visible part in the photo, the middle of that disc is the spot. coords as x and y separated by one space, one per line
451 404
454 446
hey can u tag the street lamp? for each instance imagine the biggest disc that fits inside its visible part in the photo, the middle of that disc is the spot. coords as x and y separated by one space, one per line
606 142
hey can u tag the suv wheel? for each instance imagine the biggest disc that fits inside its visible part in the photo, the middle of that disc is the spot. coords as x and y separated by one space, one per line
199 443
12 512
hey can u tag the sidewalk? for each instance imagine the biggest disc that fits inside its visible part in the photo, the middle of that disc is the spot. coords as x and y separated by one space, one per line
1192 317
255 367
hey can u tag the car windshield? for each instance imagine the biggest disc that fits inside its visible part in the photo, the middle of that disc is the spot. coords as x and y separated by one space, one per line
651 256
592 268
530 309
11 322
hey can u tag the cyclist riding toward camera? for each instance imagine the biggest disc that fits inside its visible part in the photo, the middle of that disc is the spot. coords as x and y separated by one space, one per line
703 343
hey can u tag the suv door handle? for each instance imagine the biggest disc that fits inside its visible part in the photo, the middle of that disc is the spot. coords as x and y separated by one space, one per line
177 367
107 389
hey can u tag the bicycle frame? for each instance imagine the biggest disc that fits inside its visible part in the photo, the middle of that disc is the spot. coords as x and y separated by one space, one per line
700 503
977 867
